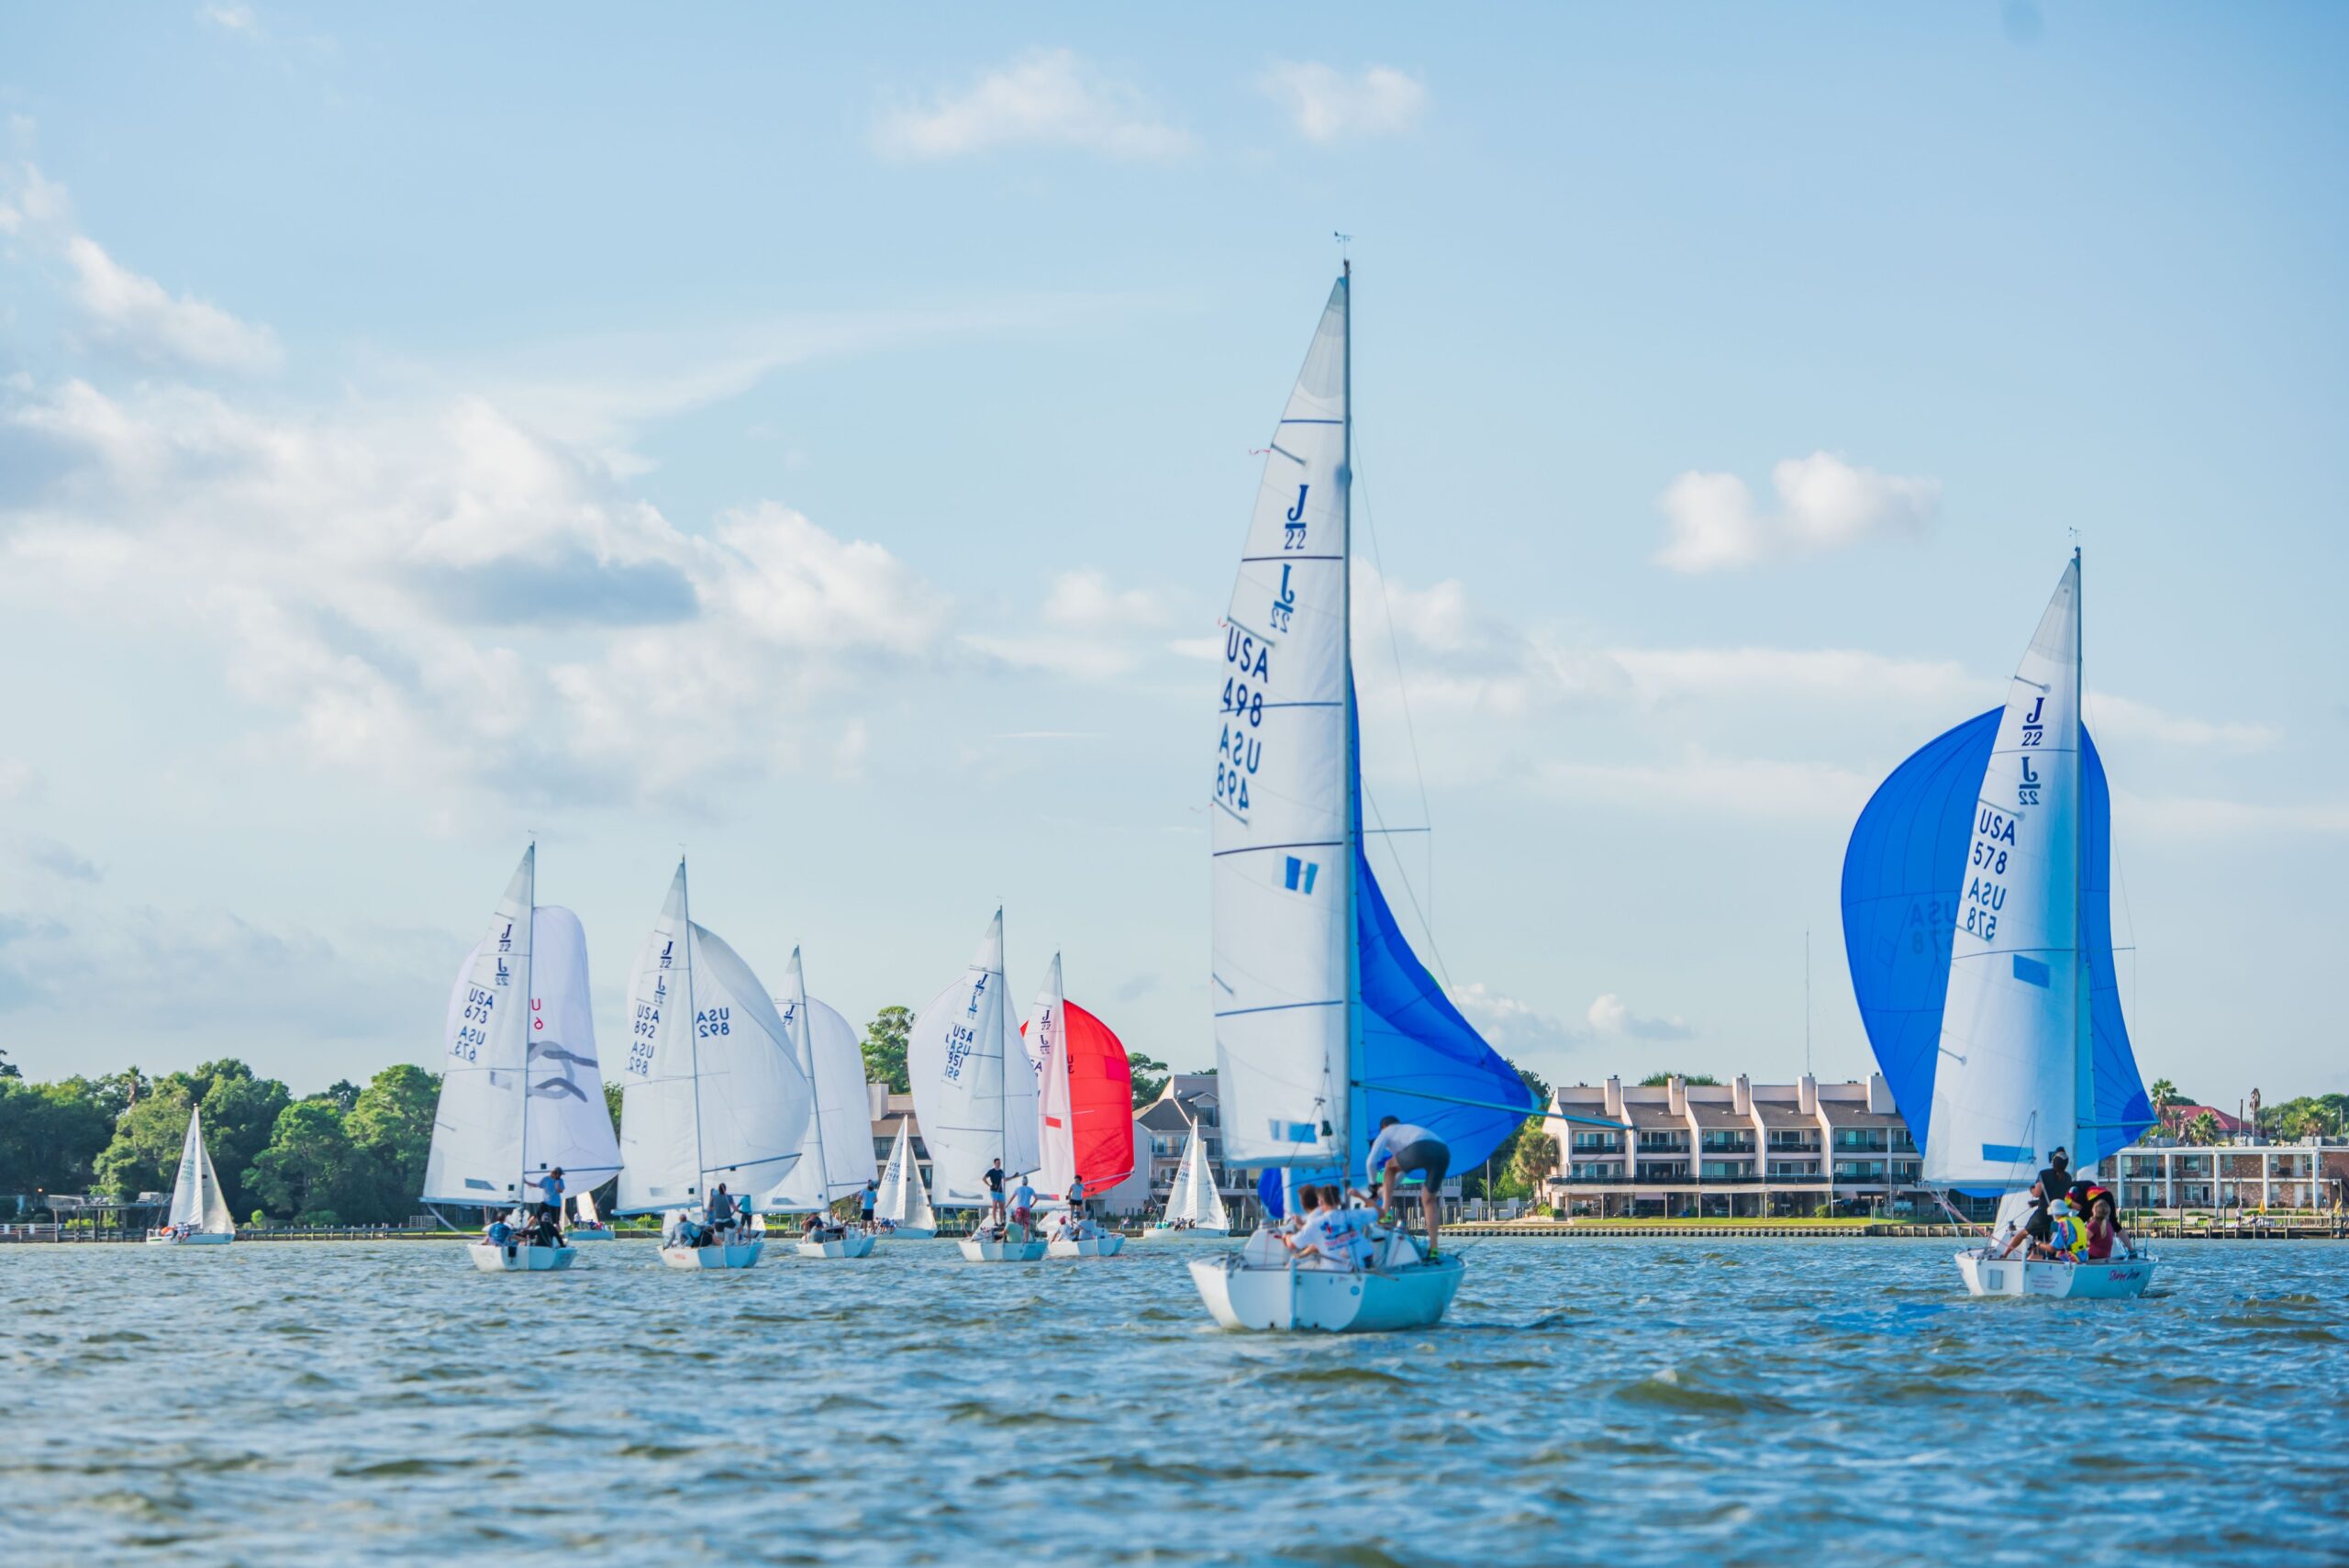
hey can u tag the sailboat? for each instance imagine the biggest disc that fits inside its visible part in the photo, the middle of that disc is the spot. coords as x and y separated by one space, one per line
587 1225
1193 1207
711 1093
836 1156
1324 1017
901 1208
1978 922
521 1091
1084 1114
973 1110
199 1214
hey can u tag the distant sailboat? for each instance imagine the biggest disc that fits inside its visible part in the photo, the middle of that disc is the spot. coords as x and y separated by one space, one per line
1324 1017
1084 1113
712 1093
901 1206
836 1157
1193 1207
975 1107
199 1214
1978 922
587 1225
521 1091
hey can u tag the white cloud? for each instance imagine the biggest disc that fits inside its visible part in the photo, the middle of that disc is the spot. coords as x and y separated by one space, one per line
1327 106
1045 98
1514 1029
1824 503
1608 1014
135 312
20 779
2120 718
1739 786
231 18
1087 630
2189 819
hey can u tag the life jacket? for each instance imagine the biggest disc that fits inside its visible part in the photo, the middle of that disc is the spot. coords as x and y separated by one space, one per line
2069 1236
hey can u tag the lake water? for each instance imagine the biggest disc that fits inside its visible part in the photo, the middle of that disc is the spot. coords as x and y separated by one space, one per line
1618 1402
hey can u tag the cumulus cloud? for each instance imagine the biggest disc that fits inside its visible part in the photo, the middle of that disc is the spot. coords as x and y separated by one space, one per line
135 311
1824 504
1609 1015
231 18
1513 1028
1738 787
1044 98
1327 106
1087 628
38 851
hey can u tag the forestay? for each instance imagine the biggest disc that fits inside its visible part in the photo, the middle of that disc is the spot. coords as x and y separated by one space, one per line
971 1111
836 1157
1282 895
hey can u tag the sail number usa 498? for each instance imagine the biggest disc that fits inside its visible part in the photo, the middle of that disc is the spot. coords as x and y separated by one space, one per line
1241 751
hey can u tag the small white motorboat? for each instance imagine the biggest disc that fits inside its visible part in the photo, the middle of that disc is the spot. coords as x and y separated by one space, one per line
199 1216
514 1258
1261 1287
855 1244
717 1255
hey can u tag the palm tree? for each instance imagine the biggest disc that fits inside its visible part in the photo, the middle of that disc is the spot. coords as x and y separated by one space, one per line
2203 1131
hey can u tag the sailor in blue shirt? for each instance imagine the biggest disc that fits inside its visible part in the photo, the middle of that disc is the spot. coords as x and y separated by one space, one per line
551 1194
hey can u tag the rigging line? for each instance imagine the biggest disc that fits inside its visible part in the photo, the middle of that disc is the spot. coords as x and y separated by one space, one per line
1409 892
2120 884
1402 689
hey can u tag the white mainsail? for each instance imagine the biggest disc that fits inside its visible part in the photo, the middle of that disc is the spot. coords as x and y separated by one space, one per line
521 1092
902 1198
836 1158
2009 1087
1046 1042
710 1092
197 1199
1192 1198
1282 823
973 1111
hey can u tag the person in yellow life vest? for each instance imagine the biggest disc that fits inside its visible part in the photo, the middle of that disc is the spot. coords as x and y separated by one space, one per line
2067 1239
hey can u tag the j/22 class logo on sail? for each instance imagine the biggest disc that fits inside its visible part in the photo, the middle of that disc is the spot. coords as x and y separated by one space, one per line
1241 751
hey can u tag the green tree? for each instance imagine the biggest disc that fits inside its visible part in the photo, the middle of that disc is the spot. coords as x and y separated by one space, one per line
1504 1160
1150 1077
7 1068
240 1115
51 1135
612 1102
309 1172
144 1155
2203 1131
342 1092
390 1129
885 1048
1658 1080
1533 1163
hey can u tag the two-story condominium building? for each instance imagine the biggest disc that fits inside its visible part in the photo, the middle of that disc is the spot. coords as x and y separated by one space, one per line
1733 1150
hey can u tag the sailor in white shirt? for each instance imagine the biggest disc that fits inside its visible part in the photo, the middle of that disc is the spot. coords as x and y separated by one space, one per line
1403 1150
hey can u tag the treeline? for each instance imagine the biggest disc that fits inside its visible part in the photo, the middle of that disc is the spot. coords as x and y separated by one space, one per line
346 1156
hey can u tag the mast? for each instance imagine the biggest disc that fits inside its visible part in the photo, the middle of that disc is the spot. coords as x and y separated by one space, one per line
805 1047
529 1015
1353 1067
2083 1017
693 1022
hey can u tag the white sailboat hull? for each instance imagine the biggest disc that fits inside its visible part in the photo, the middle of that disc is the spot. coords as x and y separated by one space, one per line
1089 1247
516 1259
849 1245
199 1239
2112 1280
1171 1233
579 1233
1334 1301
721 1256
909 1233
979 1251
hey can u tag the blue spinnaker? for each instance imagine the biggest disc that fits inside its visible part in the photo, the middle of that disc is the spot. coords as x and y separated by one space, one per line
1903 875
1417 1058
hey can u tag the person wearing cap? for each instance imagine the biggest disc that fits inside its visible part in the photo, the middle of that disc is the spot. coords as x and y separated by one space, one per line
551 1195
2065 1238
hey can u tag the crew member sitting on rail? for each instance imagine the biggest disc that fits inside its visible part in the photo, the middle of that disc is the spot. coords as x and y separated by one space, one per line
500 1233
1404 1149
1312 1243
2065 1238
2104 1229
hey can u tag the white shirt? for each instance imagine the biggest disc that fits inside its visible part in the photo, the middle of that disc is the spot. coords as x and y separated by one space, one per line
1393 1141
1313 1239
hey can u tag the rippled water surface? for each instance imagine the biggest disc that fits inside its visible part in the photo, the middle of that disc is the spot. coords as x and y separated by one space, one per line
1617 1402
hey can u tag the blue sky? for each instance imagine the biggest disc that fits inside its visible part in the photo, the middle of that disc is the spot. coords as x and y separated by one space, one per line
824 444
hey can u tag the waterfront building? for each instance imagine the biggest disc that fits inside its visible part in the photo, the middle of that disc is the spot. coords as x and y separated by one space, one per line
1734 1151
2242 1173
1160 1129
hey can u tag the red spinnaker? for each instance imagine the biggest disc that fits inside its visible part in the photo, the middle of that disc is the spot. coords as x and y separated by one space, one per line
1101 1099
